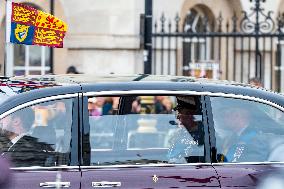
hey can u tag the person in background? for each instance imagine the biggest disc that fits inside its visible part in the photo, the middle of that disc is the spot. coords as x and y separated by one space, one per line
72 70
159 107
107 107
255 81
115 103
94 107
167 105
136 106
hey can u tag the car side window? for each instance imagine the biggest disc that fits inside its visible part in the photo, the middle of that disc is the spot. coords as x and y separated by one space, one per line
145 129
38 135
247 131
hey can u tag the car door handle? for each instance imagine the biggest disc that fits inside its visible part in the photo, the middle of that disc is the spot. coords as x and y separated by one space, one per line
105 184
55 184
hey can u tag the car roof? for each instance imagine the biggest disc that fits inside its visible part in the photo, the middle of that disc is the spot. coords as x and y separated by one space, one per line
72 83
39 81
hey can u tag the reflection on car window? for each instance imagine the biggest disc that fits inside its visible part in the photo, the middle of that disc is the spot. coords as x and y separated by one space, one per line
39 135
98 106
247 131
148 129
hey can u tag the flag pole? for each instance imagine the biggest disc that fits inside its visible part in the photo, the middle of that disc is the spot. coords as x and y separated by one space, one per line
51 49
9 55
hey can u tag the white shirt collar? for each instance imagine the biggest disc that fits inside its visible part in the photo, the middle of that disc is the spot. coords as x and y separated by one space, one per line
14 140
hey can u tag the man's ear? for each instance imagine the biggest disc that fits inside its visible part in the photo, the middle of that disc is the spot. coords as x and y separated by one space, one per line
16 121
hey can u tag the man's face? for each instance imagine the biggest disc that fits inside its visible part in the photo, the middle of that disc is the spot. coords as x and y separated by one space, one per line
235 119
186 117
256 84
11 124
6 122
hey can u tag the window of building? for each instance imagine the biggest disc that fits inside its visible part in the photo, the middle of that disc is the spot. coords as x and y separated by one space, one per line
197 50
31 60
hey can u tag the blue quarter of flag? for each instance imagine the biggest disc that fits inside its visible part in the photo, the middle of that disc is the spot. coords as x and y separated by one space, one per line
22 34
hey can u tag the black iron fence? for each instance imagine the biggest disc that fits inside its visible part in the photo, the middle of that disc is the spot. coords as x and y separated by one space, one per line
236 50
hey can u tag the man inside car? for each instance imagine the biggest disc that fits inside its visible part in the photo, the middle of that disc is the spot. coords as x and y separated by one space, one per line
23 149
187 143
246 140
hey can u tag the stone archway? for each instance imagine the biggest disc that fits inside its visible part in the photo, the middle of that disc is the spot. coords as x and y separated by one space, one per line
213 8
211 11
196 50
199 12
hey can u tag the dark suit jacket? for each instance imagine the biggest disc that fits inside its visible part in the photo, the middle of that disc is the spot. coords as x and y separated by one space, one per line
3 143
28 151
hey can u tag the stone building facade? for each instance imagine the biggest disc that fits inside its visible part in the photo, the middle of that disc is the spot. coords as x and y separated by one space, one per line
105 36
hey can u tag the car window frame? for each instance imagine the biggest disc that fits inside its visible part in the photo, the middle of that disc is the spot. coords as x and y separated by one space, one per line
74 161
212 126
86 151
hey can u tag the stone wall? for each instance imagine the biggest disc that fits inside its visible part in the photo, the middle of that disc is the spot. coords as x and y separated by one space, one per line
103 36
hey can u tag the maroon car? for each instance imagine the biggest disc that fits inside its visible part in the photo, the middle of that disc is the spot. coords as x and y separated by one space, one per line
139 131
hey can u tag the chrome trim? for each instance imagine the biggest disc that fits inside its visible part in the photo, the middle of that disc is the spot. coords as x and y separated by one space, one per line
143 165
55 184
35 168
36 102
249 163
114 167
105 184
256 99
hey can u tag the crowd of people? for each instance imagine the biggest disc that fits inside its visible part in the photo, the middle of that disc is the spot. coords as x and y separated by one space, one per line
98 106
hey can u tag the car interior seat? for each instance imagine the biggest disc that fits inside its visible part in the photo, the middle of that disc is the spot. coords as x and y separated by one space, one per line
146 140
45 134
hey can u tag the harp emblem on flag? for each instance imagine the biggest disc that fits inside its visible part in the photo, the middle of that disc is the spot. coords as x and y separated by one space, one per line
21 32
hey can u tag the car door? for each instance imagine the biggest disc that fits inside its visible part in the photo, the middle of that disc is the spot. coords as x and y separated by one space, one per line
128 143
248 142
45 154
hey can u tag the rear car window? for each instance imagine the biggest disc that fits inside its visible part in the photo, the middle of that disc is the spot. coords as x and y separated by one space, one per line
39 135
247 131
145 129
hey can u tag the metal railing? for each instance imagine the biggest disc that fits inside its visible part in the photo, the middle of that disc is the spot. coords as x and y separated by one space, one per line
248 47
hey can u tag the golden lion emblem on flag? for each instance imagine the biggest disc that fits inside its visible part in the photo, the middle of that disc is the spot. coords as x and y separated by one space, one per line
21 32
30 26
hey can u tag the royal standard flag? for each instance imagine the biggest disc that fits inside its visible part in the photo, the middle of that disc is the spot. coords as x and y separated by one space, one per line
30 26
